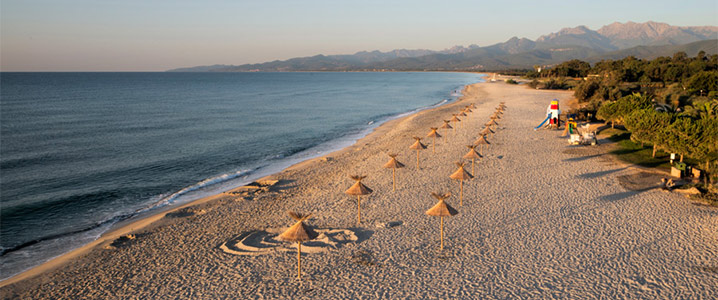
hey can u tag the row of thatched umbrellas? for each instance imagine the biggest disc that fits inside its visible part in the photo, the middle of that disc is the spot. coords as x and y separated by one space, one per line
300 232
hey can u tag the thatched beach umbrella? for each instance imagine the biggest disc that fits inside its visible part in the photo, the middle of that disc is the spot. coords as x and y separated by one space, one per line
467 109
491 123
494 116
460 174
472 155
299 232
446 126
418 146
442 209
358 189
454 118
433 134
481 141
472 105
462 114
486 131
393 164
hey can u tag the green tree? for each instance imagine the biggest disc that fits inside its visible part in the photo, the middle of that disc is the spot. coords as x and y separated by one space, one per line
707 148
702 82
684 137
608 112
646 125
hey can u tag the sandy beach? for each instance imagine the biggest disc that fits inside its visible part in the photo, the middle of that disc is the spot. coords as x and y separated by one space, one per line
541 219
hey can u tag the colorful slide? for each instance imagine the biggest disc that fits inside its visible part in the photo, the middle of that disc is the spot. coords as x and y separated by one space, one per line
544 121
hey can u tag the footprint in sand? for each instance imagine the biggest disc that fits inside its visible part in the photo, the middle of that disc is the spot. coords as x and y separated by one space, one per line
261 242
641 283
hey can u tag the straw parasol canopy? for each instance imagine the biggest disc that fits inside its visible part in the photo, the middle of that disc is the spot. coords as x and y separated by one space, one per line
481 141
455 118
486 131
462 114
442 209
433 134
299 232
491 123
358 189
467 109
460 174
494 116
418 146
472 155
393 164
472 105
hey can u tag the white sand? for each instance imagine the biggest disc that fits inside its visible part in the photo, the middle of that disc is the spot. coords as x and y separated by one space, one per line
540 220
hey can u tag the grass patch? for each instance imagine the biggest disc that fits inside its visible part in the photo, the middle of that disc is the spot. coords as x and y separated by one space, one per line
633 153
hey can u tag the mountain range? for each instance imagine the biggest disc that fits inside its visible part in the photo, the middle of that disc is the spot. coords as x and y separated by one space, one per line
613 41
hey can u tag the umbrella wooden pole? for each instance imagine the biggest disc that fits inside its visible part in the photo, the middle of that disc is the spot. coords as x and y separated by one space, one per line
417 159
442 232
461 192
358 210
393 179
299 260
472 166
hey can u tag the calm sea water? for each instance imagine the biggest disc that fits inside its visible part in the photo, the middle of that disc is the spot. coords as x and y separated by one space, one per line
82 151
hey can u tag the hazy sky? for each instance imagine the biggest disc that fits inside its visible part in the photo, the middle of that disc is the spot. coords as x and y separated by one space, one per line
147 35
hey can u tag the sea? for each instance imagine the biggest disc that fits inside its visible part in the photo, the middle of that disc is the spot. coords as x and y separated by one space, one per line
80 152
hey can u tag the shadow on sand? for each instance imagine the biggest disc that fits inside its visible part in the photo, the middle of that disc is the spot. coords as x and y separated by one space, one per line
598 174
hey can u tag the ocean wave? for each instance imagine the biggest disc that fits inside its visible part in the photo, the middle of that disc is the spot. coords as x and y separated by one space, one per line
197 186
125 216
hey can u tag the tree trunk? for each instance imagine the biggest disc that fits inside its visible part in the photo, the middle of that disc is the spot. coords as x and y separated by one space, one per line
705 172
654 151
681 157
612 123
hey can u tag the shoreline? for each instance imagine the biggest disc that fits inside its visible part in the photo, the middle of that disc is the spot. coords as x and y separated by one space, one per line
540 219
123 228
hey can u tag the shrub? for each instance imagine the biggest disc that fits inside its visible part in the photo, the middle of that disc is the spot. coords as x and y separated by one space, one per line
534 83
556 84
511 81
585 90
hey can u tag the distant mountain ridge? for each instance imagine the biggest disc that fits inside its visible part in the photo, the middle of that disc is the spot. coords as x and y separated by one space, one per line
568 43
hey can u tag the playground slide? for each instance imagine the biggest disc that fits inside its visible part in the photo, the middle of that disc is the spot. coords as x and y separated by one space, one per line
544 121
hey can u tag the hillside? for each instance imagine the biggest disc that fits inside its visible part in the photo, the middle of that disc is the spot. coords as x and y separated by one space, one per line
616 40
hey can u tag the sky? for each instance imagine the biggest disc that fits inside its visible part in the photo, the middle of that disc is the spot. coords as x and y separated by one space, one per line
157 35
